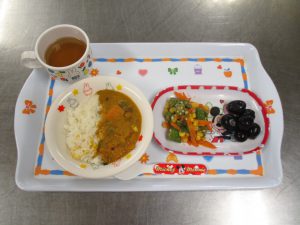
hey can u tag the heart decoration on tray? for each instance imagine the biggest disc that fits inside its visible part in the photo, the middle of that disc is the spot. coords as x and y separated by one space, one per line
143 72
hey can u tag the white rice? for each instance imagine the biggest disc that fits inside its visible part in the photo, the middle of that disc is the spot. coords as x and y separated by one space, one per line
81 127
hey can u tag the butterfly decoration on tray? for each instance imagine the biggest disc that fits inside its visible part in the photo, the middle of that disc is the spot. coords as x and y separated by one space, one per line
173 71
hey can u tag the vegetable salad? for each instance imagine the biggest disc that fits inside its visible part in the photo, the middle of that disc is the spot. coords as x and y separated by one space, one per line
187 121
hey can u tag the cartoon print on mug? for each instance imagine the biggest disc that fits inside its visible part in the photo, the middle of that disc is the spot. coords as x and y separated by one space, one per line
73 74
60 75
89 62
84 66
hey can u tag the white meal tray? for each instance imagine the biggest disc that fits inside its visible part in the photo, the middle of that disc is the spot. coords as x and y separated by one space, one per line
153 67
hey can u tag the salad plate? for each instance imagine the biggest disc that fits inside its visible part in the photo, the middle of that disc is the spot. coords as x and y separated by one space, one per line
216 97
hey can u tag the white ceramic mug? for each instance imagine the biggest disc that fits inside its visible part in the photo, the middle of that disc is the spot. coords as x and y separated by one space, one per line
36 59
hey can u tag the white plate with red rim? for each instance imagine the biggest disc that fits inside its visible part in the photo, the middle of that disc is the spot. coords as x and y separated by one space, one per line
217 96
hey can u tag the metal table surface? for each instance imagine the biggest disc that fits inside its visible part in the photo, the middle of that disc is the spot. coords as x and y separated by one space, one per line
272 26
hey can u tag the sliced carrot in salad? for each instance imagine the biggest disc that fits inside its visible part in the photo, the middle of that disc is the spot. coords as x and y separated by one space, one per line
175 126
181 96
206 144
204 107
165 124
192 132
204 122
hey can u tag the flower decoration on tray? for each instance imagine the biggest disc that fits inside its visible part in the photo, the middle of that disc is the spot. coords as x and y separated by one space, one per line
29 107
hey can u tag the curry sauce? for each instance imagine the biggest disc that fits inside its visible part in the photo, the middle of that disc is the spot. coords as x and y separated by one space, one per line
119 127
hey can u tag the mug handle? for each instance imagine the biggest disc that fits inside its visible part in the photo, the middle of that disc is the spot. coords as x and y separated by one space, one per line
29 60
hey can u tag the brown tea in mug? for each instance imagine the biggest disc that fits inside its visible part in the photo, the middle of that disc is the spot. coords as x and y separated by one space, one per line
64 52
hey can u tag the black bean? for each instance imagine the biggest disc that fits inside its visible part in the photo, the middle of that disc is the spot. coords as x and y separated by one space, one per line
229 122
249 112
240 136
254 131
236 107
214 111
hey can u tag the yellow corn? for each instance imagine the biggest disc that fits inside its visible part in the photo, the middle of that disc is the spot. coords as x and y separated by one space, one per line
181 134
172 110
195 123
199 133
134 128
194 104
184 139
83 166
75 155
91 142
198 138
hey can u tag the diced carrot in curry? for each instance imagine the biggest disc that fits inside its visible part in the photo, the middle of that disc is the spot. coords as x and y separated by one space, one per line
114 113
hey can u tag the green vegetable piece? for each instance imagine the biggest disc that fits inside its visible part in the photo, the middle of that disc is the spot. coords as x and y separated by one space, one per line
184 129
167 116
172 102
125 106
200 128
188 106
200 114
173 135
181 123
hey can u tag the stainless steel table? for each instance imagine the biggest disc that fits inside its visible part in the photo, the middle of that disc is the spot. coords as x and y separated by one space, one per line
272 26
